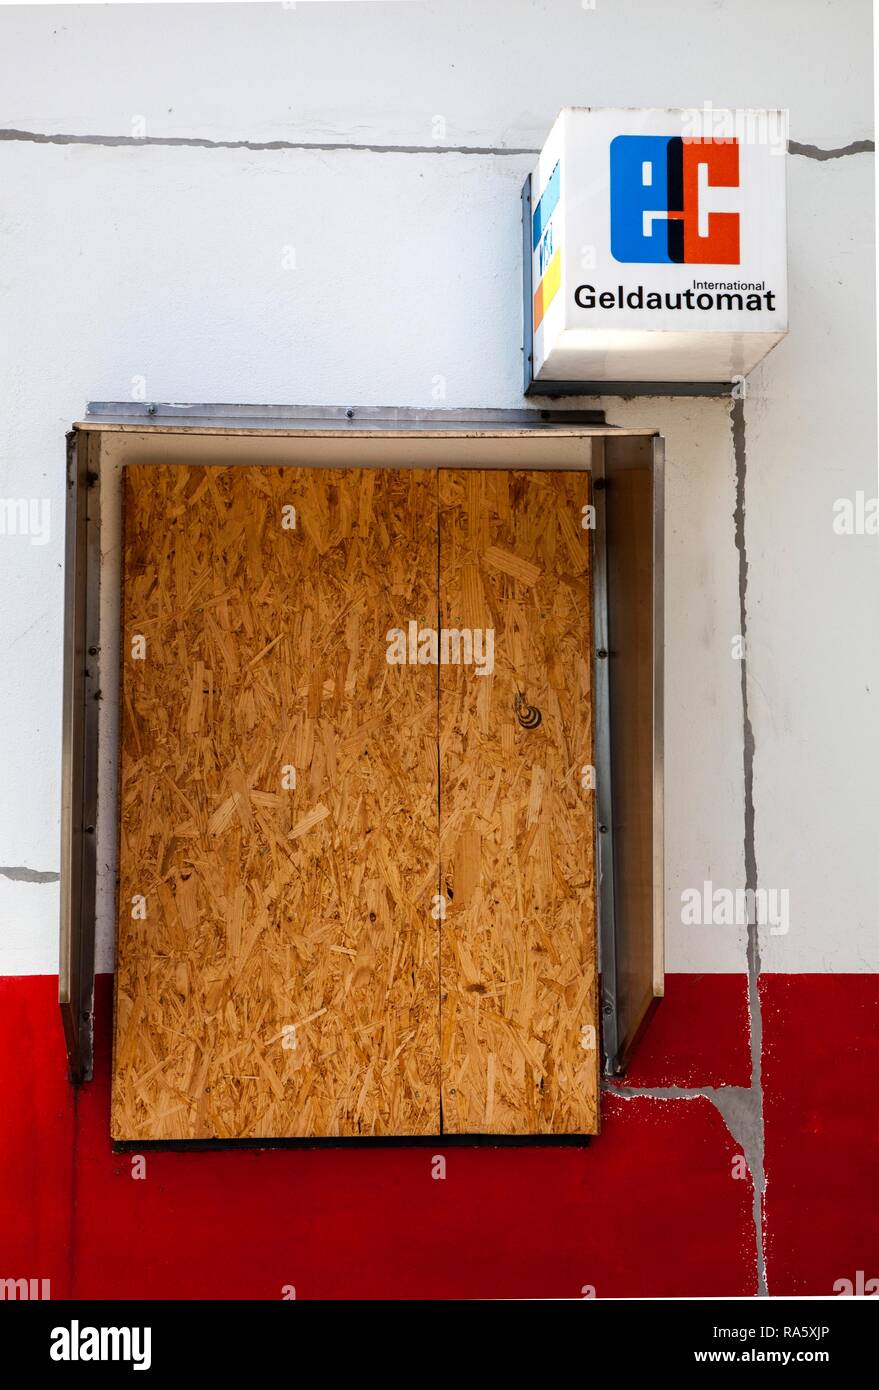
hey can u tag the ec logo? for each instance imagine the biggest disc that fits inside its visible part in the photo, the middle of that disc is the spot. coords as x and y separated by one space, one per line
656 187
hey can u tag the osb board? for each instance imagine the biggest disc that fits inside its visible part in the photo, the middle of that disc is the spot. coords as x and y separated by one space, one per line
518 967
284 979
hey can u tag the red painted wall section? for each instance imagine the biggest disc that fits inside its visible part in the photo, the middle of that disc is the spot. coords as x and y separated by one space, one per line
697 1036
651 1207
821 1101
37 1116
364 1224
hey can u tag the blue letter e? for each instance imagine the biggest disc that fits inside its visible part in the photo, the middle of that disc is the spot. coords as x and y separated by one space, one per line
639 184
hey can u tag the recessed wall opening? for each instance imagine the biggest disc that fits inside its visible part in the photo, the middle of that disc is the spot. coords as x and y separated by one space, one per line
363 769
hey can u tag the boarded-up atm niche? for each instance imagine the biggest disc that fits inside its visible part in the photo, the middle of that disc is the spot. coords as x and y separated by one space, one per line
358 878
408 932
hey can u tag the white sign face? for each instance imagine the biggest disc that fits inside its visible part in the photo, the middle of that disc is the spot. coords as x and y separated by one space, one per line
659 245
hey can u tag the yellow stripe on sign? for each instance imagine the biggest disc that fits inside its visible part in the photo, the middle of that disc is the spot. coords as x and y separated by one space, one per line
545 292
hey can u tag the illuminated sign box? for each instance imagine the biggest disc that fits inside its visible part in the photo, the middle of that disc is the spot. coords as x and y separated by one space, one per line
655 249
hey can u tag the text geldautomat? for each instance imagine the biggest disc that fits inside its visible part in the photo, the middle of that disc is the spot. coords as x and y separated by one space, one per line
747 296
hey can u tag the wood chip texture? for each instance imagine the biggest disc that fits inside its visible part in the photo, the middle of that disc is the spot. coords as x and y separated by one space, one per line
293 808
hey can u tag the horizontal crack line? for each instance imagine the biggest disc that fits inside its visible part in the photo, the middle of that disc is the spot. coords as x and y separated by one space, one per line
196 142
199 143
815 152
666 1092
20 874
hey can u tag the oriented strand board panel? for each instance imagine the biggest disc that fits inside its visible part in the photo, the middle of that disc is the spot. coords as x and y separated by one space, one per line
518 960
277 963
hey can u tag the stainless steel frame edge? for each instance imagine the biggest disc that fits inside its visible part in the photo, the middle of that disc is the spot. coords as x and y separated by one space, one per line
527 292
604 850
621 1027
79 750
658 477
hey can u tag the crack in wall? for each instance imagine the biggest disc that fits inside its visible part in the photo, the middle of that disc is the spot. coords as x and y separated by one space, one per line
196 142
737 421
13 135
815 151
21 874
736 1105
740 1107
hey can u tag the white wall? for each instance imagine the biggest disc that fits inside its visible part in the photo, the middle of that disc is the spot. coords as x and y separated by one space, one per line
166 263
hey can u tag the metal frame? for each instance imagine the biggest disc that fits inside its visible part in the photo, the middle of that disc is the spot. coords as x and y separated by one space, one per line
622 1024
558 389
351 419
658 476
528 385
604 855
79 774
82 648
